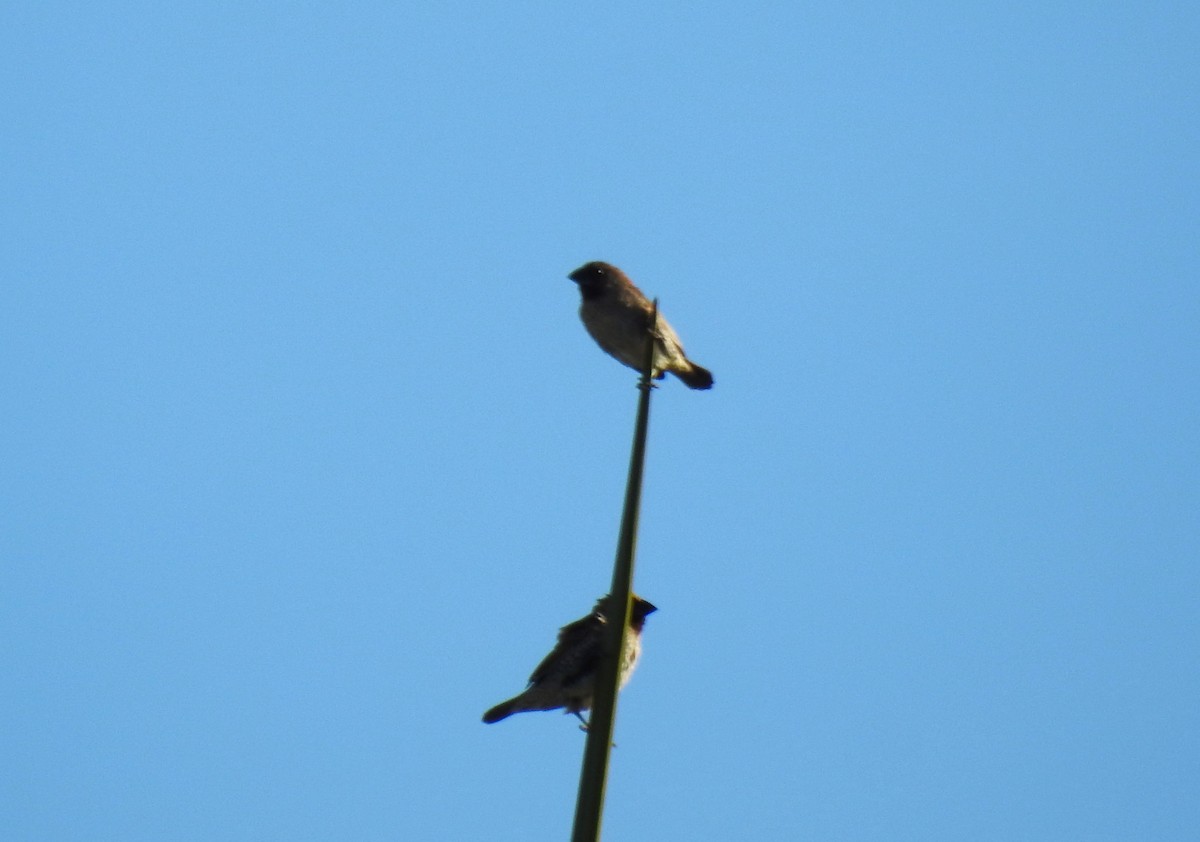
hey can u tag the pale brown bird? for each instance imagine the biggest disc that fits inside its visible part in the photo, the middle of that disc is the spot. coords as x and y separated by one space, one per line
617 315
566 677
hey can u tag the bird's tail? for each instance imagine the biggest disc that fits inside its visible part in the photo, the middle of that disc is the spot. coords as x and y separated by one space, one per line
500 711
694 377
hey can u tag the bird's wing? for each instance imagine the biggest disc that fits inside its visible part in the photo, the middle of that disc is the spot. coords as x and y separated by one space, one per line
577 641
669 337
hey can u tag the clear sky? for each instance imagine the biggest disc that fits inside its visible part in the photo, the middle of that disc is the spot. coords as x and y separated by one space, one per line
306 455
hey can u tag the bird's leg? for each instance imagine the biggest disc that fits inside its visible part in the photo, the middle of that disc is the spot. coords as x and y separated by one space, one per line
586 726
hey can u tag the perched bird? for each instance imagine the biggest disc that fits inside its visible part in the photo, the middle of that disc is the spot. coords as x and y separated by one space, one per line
617 316
567 676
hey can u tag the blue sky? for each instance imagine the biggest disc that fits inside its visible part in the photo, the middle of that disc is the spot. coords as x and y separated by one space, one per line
307 455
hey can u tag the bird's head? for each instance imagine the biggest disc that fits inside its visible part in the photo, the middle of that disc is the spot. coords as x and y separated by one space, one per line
595 277
641 609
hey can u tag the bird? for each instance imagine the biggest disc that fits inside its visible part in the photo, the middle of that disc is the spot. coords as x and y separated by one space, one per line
617 315
566 678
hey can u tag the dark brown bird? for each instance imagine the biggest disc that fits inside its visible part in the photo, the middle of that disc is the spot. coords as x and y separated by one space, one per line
567 676
617 316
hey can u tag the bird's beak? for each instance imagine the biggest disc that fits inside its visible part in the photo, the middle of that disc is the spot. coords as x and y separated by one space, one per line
572 276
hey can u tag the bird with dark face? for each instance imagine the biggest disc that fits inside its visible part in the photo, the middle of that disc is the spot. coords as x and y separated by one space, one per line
566 678
617 315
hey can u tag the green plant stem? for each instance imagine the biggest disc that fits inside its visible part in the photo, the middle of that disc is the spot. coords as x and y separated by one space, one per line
589 806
